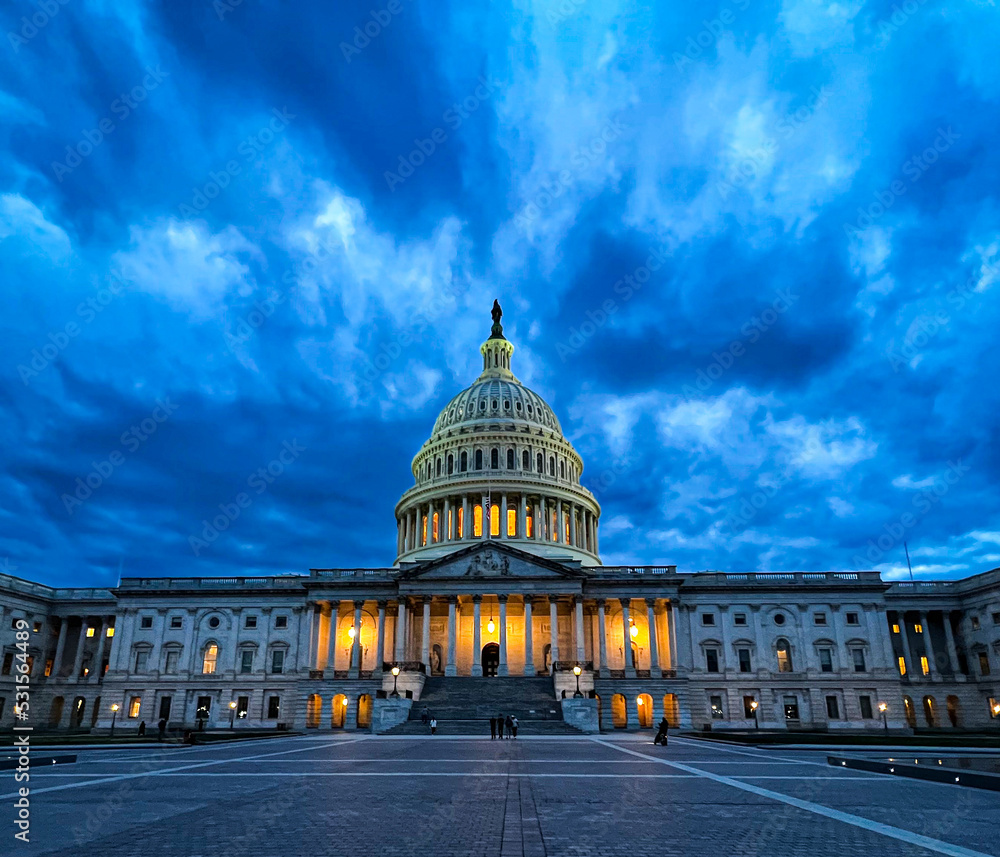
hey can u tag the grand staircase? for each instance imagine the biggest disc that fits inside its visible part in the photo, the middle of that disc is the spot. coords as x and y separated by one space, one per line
463 706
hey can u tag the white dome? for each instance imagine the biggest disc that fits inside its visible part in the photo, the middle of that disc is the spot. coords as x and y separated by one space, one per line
493 399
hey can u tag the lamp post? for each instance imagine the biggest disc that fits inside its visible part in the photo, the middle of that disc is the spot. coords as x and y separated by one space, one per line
232 714
753 707
882 707
395 675
114 714
576 672
996 710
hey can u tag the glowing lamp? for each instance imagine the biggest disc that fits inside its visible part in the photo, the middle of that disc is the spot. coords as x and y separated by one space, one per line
634 631
232 705
395 671
344 703
577 670
490 626
882 706
639 701
114 707
350 632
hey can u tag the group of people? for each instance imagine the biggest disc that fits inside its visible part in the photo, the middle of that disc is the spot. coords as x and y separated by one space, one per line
503 727
427 720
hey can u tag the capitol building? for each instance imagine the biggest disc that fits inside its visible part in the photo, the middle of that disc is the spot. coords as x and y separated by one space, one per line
498 601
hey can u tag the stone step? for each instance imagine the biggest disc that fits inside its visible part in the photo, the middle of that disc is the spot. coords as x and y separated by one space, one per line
482 727
468 698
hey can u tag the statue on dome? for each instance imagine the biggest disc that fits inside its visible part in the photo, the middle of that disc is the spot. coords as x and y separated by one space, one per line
496 332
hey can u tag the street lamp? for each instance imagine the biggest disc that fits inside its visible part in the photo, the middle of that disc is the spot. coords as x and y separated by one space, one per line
114 714
576 672
882 707
996 709
395 675
232 714
753 707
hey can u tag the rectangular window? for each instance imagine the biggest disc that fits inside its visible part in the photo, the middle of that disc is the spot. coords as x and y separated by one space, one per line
711 660
739 618
144 622
8 663
134 704
707 618
494 520
48 667
204 708
273 707
512 522
246 661
984 664
901 661
859 660
866 707
37 627
716 705
277 661
529 523
242 706
895 628
791 708
90 631
832 708
165 702
748 708
744 655
925 666
996 618
826 660
176 622
110 632
918 628
819 618
975 622
141 660
250 622
173 656
852 619
280 621
3 701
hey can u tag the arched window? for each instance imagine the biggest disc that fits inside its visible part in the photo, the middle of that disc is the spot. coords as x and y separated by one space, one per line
494 520
464 462
451 464
423 530
930 711
495 458
209 659
510 459
479 459
439 467
562 469
525 460
541 466
552 465
477 521
435 532
529 523
512 522
784 657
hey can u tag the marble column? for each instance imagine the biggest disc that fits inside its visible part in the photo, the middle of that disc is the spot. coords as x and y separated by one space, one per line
78 658
486 516
502 669
560 524
529 649
380 645
477 635
671 617
553 631
450 667
425 634
466 524
356 647
654 652
522 517
949 637
60 646
578 630
444 527
627 639
503 515
102 629
572 525
331 640
602 638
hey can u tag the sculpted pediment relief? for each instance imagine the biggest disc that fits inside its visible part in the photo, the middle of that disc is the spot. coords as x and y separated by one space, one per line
491 560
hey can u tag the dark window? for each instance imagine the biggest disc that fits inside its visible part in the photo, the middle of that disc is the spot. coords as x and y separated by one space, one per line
273 707
280 621
819 618
8 663
859 660
495 458
242 706
779 618
562 469
744 660
538 461
176 622
141 660
13 622
213 622
510 459
479 459
852 619
996 618
716 704
246 661
451 464
707 618
712 660
37 627
866 707
826 660
165 702
525 460
739 618
463 462
552 465
173 656
277 661
748 707
437 467
975 622
984 664
204 708
791 708
250 622
832 708
146 622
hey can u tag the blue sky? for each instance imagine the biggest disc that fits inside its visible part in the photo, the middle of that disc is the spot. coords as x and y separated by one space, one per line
218 222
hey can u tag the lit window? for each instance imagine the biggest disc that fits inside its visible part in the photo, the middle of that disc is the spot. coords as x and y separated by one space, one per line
461 523
37 627
784 657
566 527
984 663
895 629
435 532
242 706
511 522
791 708
210 659
477 521
918 628
90 632
924 665
423 530
110 632
529 524
494 520
134 704
902 665
716 704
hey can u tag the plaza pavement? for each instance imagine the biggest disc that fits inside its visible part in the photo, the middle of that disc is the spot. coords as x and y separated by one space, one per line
357 795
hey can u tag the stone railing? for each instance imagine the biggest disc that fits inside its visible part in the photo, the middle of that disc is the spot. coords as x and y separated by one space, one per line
615 571
350 573
783 577
283 582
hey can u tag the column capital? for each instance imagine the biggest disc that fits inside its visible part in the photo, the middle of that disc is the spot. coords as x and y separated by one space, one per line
453 599
528 599
476 599
625 602
359 604
553 599
651 602
502 597
426 599
334 604
601 603
382 603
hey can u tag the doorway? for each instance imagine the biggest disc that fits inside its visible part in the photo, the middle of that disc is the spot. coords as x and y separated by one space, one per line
491 658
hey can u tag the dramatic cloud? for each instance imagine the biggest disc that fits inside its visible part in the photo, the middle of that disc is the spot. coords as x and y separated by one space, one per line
750 254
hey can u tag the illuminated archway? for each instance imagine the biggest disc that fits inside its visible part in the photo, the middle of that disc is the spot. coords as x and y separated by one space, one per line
619 712
953 711
644 710
314 709
671 710
338 711
910 712
364 711
930 710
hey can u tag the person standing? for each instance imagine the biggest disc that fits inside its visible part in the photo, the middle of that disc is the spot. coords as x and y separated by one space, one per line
493 728
509 723
513 725
162 726
425 715
661 733
434 725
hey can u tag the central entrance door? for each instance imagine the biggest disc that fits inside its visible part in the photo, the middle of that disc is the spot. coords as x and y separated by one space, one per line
491 658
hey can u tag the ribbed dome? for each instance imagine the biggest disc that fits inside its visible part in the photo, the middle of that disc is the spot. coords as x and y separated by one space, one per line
490 399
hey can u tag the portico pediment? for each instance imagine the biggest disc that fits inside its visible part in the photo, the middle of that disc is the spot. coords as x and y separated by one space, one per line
491 560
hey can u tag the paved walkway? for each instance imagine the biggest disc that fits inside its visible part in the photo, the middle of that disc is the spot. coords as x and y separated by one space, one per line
439 796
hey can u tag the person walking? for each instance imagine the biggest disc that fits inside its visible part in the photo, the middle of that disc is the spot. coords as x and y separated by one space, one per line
434 726
162 726
509 723
493 728
500 726
661 733
513 724
142 728
425 715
